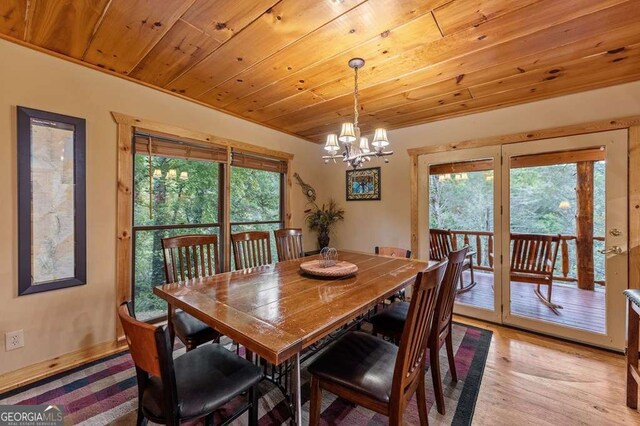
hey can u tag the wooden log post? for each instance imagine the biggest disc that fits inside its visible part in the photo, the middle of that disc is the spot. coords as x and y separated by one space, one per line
584 225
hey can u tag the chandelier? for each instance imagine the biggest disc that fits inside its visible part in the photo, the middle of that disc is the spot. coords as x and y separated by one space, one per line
356 154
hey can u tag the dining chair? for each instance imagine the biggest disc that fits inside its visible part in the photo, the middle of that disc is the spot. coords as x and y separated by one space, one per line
393 252
187 257
377 374
289 243
391 322
191 386
251 249
441 243
533 259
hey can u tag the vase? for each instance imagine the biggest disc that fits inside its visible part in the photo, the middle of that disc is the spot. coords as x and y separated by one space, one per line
323 239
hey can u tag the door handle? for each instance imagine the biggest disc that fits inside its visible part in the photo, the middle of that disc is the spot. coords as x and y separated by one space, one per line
612 249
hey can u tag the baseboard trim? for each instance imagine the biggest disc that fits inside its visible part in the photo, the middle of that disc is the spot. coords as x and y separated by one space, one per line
62 363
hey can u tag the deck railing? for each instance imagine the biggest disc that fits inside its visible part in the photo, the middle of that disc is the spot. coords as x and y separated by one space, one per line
482 243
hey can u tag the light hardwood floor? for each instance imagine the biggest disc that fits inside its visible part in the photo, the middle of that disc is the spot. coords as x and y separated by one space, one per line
535 380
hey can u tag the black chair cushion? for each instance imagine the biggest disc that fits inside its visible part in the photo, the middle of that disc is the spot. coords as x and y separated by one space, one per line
390 321
206 378
189 327
360 362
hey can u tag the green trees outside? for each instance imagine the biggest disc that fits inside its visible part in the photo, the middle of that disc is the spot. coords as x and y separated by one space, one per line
543 200
187 192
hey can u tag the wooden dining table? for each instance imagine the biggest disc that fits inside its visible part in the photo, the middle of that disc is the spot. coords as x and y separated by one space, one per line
276 311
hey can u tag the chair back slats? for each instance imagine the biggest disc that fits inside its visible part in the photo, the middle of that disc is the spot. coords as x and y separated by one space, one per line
251 249
534 253
413 344
289 243
447 293
141 338
440 244
190 256
393 252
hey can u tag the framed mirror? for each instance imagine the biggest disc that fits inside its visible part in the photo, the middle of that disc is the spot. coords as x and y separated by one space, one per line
51 201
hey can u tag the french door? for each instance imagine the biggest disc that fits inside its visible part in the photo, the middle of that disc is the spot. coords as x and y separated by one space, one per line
462 191
536 213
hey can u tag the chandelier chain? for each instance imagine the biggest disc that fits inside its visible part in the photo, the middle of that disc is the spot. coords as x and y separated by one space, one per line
355 97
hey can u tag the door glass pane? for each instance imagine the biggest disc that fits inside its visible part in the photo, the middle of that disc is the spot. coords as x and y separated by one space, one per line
557 216
461 198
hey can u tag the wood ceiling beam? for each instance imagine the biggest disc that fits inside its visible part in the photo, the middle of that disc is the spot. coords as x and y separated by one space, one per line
510 54
399 39
606 65
602 69
384 45
282 25
370 22
458 15
202 29
223 19
539 16
129 30
13 18
65 26
584 36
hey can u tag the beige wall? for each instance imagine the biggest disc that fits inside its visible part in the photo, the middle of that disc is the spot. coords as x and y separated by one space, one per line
387 221
65 320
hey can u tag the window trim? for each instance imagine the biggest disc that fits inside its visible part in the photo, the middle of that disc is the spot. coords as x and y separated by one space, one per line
127 125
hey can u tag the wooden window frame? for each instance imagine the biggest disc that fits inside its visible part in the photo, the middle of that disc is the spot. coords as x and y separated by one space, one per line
631 124
127 125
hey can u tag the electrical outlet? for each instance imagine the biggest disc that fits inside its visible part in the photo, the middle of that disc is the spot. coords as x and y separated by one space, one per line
13 340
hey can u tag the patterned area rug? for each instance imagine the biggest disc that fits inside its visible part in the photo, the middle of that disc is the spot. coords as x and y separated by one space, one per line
105 392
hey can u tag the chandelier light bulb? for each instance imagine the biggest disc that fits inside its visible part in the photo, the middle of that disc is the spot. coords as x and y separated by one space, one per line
380 139
332 143
171 174
364 145
347 134
157 173
184 175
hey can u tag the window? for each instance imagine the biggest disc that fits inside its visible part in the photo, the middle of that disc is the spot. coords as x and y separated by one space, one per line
256 202
178 189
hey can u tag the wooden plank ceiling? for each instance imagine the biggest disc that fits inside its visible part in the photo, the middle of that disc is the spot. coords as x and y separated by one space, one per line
284 63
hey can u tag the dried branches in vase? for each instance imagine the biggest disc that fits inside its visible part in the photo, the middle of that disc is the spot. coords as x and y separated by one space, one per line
322 220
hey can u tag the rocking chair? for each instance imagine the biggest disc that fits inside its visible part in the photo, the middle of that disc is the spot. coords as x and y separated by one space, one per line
440 245
533 259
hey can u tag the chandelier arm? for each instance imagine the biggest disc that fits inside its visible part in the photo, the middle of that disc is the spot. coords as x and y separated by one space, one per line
353 154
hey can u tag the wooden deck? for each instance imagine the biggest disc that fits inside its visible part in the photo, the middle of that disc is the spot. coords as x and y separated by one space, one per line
581 309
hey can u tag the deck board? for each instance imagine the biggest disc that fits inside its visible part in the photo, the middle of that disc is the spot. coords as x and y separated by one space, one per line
583 309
